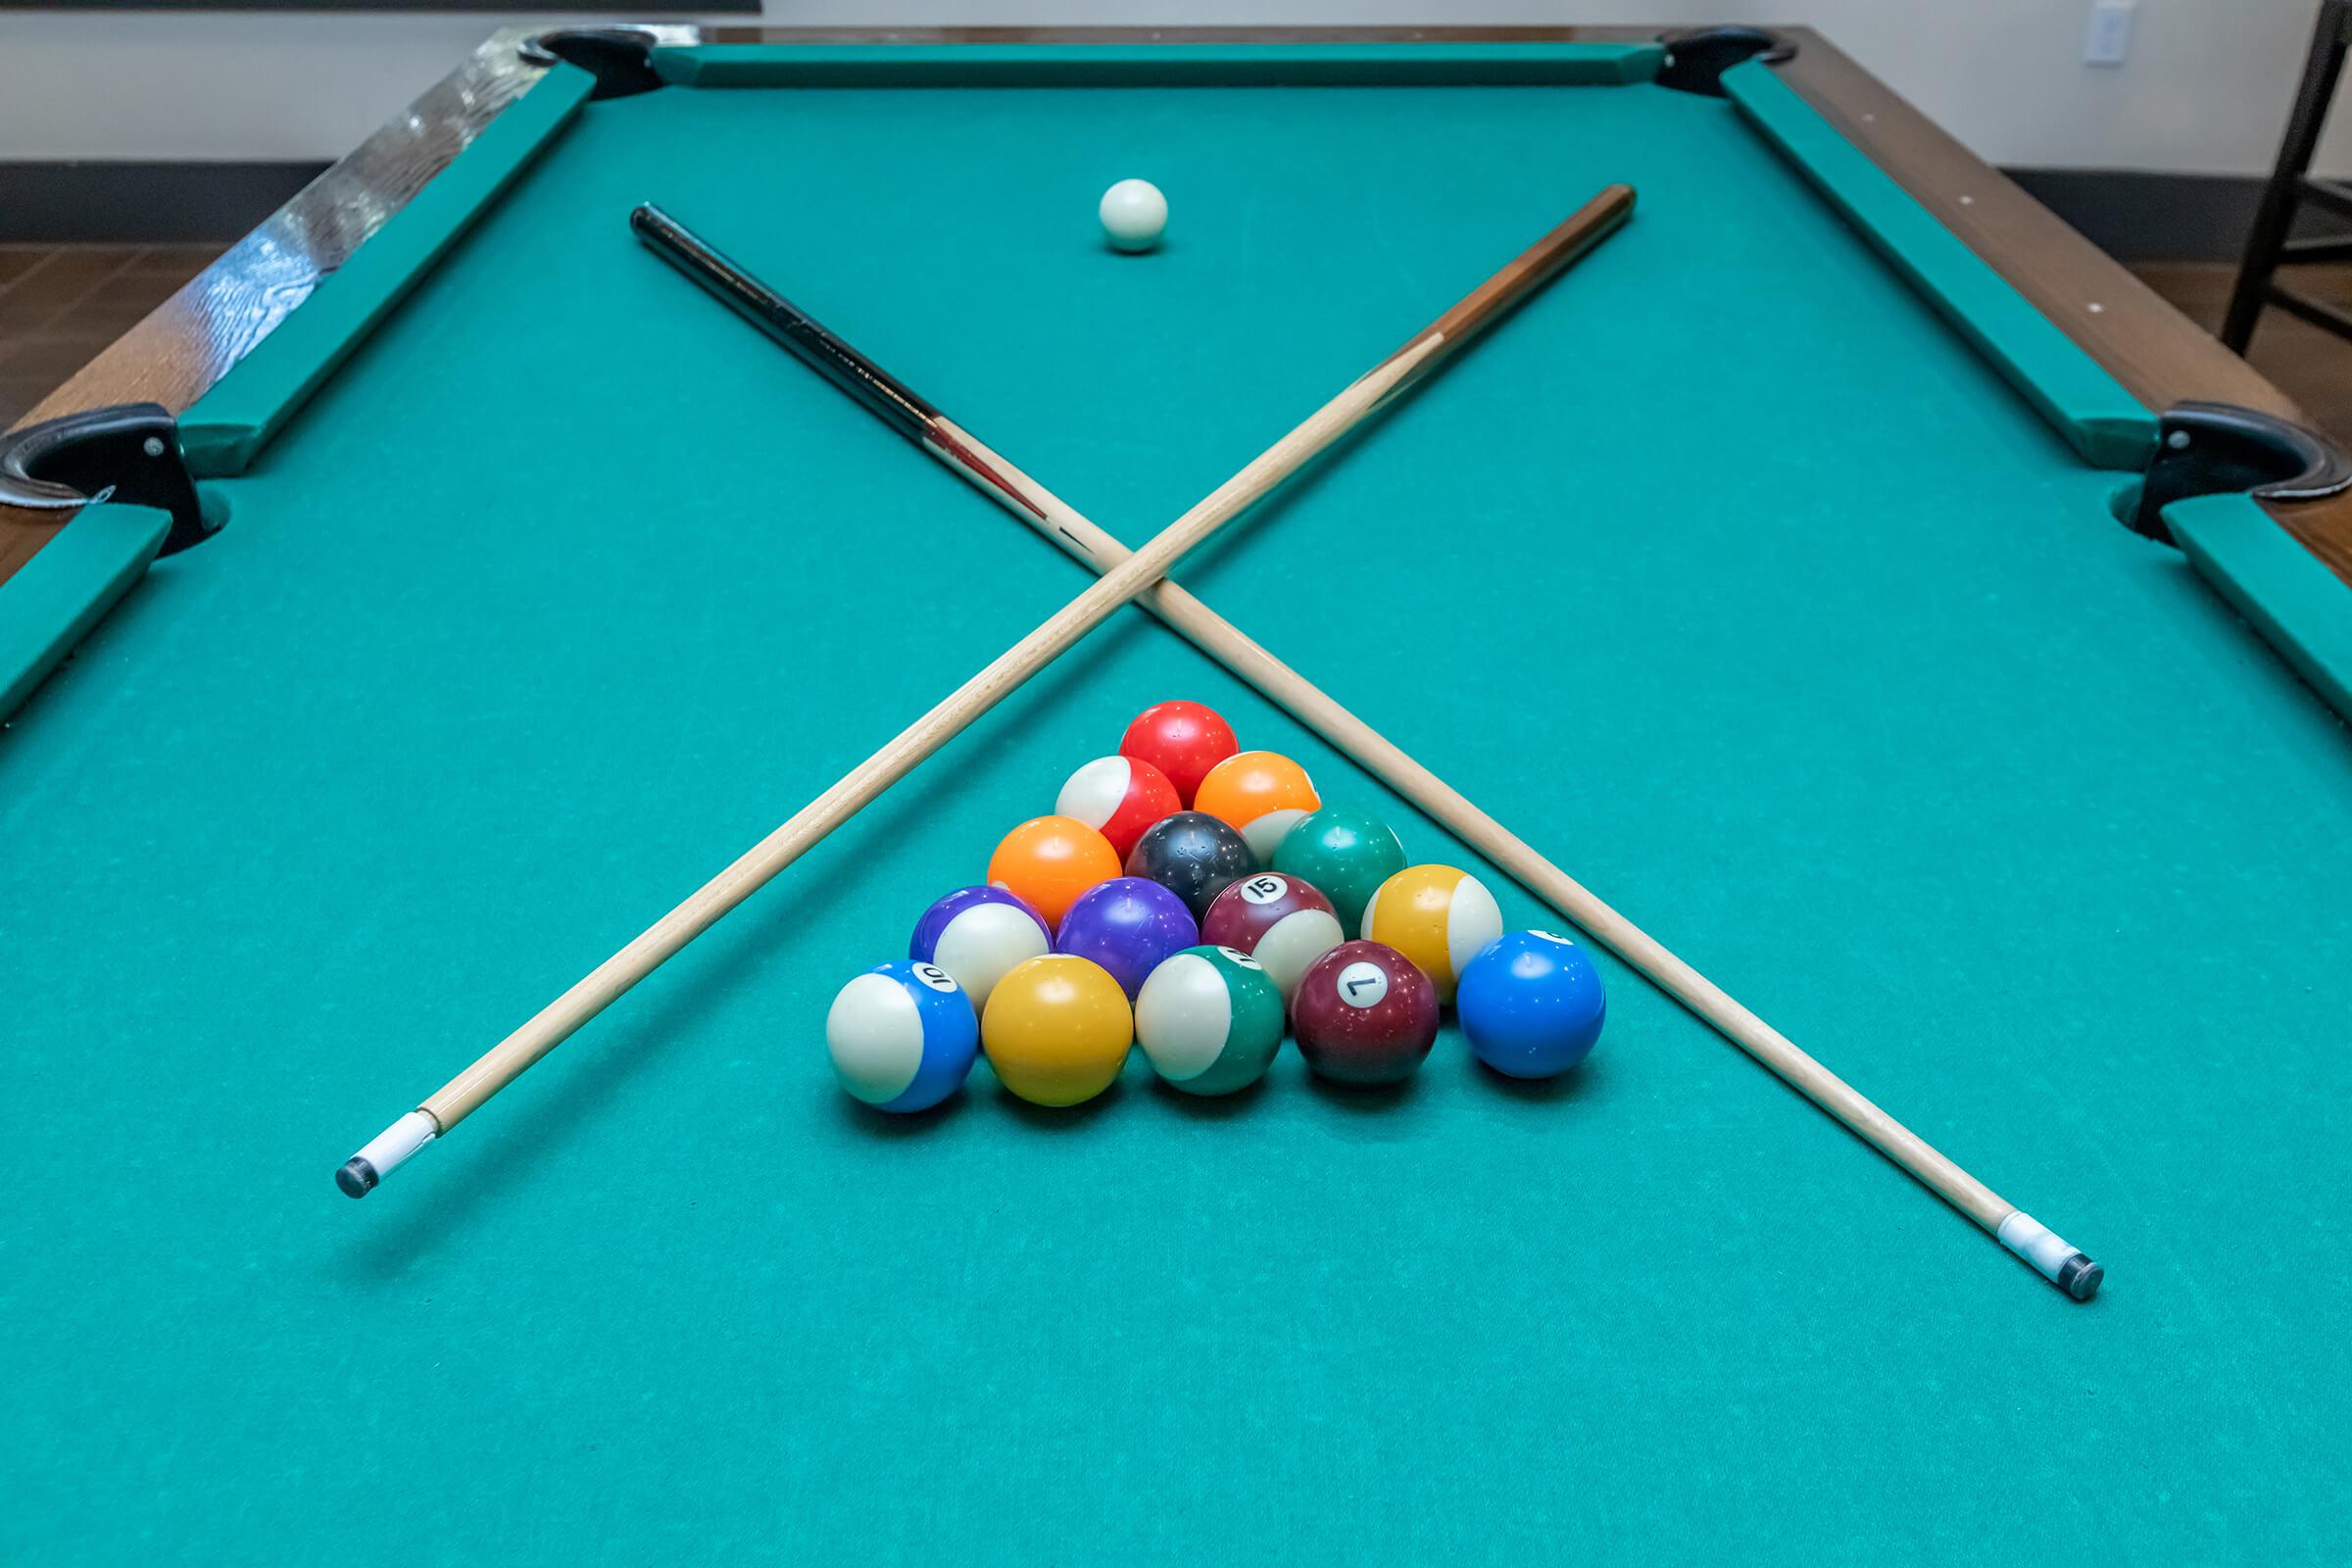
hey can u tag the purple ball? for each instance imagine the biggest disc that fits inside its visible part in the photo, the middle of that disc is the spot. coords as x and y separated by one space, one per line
976 934
1129 925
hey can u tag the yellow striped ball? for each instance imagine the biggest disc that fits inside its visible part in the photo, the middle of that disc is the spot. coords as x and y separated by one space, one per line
1437 915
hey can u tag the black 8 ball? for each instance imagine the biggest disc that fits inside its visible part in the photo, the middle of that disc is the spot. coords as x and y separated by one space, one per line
1194 856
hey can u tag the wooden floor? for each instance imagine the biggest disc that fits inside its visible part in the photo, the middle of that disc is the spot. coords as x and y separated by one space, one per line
2308 365
60 305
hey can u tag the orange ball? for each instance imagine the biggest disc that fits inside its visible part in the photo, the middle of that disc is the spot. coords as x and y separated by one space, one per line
1048 860
1259 795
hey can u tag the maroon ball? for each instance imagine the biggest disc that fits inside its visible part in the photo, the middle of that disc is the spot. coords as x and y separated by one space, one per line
1283 922
1365 1015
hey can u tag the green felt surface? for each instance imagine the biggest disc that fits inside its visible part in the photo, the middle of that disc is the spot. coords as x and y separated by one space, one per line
1156 64
51 605
2106 423
2284 591
1725 572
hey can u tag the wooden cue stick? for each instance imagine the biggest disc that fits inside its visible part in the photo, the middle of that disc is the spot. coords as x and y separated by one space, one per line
1429 348
1031 502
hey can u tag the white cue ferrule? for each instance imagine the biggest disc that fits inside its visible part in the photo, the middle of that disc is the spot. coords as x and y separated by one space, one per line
386 1153
2055 1258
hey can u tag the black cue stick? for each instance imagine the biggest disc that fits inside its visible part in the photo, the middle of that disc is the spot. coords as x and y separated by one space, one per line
771 313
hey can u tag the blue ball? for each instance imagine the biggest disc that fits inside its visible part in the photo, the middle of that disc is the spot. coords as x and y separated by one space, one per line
903 1036
1129 925
1530 1004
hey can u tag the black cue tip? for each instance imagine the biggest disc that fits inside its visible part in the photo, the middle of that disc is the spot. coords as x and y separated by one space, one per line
2078 1276
358 1178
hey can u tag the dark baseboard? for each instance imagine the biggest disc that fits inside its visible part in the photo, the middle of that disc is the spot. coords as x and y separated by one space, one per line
141 204
2132 217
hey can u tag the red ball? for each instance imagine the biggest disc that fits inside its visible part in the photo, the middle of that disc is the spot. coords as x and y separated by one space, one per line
1183 740
1118 797
1364 1015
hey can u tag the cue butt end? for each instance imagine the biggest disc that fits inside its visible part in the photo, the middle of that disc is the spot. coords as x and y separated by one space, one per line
2053 1257
2080 1277
360 1174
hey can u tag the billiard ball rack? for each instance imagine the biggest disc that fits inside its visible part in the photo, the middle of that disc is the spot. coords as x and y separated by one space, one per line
1423 353
1005 483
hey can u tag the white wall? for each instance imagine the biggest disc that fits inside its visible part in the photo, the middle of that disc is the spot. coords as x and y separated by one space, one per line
2205 89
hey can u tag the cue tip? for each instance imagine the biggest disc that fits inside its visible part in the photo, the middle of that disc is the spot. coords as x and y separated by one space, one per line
2053 1257
386 1153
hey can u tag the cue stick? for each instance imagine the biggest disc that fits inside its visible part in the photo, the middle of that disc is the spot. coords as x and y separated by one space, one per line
1045 512
1364 397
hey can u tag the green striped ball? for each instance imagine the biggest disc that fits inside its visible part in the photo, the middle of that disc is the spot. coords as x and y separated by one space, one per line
1210 1019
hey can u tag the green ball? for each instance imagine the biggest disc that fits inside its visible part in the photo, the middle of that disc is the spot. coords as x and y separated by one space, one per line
1210 1019
1348 854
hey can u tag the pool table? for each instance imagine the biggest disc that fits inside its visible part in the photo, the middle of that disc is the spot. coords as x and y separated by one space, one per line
1844 570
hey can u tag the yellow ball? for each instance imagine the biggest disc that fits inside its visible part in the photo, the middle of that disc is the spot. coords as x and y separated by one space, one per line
1436 915
1259 795
1056 1029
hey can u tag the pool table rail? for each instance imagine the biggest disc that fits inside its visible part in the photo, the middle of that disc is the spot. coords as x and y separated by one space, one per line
190 341
188 345
178 352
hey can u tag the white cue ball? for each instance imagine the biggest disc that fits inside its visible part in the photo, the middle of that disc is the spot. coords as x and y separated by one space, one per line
1134 214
